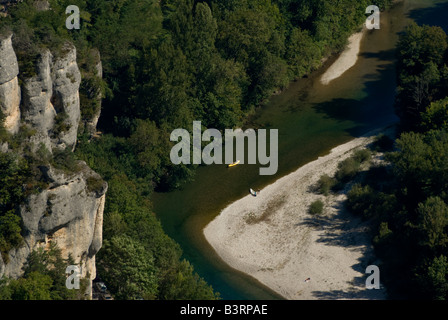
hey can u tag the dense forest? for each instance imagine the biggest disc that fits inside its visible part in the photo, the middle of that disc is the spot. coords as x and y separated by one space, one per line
406 200
165 64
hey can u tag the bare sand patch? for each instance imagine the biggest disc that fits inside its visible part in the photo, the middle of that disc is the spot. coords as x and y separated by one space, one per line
346 60
273 238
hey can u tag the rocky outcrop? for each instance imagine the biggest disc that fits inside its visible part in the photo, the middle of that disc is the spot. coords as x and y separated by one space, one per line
51 100
70 213
67 79
38 111
9 85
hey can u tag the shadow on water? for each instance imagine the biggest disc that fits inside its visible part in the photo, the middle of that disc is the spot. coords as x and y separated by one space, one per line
373 110
432 16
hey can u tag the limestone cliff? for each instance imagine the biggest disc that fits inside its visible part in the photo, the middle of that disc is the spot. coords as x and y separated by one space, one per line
70 210
51 100
69 213
9 85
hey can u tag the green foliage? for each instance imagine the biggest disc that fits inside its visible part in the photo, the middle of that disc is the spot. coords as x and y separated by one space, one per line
435 279
433 222
422 72
146 143
44 279
347 170
14 174
65 160
350 167
128 268
362 155
95 184
435 116
61 124
383 143
407 201
35 287
43 155
127 214
317 207
325 184
185 284
167 63
90 91
10 230
384 235
303 54
420 164
408 205
3 134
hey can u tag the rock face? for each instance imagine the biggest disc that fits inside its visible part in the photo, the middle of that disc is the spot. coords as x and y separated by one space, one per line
9 85
69 211
38 111
67 79
51 100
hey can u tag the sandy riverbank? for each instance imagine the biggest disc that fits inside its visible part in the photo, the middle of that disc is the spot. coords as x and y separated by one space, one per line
346 60
273 238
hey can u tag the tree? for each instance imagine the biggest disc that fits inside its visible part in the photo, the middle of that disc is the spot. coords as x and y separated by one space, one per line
43 279
36 286
49 262
183 283
421 66
435 279
128 268
436 116
147 142
420 165
14 173
433 222
303 54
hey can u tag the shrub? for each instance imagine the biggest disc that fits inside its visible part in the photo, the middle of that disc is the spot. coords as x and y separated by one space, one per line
362 155
95 184
383 143
360 199
65 160
384 235
3 133
61 125
347 170
325 184
43 154
317 207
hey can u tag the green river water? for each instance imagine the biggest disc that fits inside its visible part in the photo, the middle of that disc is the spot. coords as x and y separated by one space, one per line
312 119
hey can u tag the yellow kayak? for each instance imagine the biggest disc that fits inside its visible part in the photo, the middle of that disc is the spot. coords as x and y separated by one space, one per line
234 164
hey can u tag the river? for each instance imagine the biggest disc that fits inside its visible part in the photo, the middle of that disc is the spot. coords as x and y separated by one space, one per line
312 119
